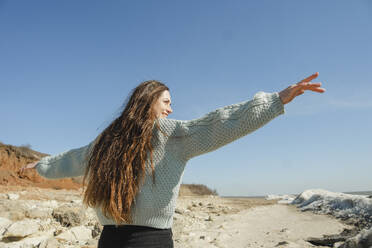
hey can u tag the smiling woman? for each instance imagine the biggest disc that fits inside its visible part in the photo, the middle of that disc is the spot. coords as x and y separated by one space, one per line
162 106
134 167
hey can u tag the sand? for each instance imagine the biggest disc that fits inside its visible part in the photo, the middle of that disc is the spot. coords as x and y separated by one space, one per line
250 223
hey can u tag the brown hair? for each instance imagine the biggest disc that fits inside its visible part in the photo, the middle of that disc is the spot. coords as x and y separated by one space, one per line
117 163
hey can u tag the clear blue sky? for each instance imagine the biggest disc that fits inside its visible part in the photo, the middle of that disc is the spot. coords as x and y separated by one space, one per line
66 68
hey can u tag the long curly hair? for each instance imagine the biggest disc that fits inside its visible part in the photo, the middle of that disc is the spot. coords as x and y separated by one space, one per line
117 162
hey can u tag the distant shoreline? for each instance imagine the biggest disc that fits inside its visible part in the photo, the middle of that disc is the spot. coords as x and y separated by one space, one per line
260 196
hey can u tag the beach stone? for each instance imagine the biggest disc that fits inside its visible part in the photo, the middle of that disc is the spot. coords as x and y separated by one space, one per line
67 235
82 232
50 243
16 215
201 215
211 206
30 242
15 245
11 196
49 204
362 240
209 218
4 224
326 241
92 242
179 211
76 233
281 243
338 244
20 229
68 216
36 213
97 230
76 201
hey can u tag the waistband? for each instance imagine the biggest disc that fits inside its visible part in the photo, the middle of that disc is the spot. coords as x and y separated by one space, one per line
134 228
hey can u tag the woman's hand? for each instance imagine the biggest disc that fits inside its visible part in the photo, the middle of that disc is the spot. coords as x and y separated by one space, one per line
28 166
294 90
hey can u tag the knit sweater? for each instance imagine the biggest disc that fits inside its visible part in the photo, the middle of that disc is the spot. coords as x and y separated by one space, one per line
176 143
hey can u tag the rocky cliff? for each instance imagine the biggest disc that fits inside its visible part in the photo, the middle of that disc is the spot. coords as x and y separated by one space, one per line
13 158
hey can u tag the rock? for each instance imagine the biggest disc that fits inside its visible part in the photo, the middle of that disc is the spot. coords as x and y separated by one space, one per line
209 218
201 215
12 196
16 215
330 240
57 232
30 242
76 233
338 244
4 223
20 229
362 240
281 243
69 216
78 201
82 232
97 230
50 243
325 241
211 206
50 204
68 236
92 242
36 213
179 211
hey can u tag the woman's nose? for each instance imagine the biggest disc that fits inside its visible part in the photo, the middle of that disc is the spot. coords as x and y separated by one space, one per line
169 110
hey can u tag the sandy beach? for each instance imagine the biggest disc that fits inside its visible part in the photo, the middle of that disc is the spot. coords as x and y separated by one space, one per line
247 222
202 221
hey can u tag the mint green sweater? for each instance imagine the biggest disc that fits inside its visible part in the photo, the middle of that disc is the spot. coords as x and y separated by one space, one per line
155 203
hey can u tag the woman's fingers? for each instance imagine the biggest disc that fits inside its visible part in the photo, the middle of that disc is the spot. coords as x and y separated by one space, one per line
299 88
310 86
308 79
320 90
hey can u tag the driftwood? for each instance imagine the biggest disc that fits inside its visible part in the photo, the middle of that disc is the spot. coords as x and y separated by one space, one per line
330 240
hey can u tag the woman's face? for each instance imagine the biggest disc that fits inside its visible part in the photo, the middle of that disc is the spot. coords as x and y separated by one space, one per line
162 106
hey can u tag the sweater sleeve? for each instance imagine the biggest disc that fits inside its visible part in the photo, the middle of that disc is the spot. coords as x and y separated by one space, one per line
71 163
227 124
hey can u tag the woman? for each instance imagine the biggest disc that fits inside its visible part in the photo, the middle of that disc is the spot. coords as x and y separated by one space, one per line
134 167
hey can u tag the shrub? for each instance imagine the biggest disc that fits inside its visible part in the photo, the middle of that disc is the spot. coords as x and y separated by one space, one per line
201 189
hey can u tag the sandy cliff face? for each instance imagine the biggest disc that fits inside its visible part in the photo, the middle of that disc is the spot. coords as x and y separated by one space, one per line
13 158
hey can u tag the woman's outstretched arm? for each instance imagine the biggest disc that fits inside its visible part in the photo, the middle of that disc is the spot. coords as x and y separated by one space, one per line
229 123
71 163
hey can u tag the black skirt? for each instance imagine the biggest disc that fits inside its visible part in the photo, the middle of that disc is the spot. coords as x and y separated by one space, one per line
131 236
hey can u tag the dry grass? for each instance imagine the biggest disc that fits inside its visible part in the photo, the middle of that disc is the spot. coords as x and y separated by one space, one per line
199 189
23 151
